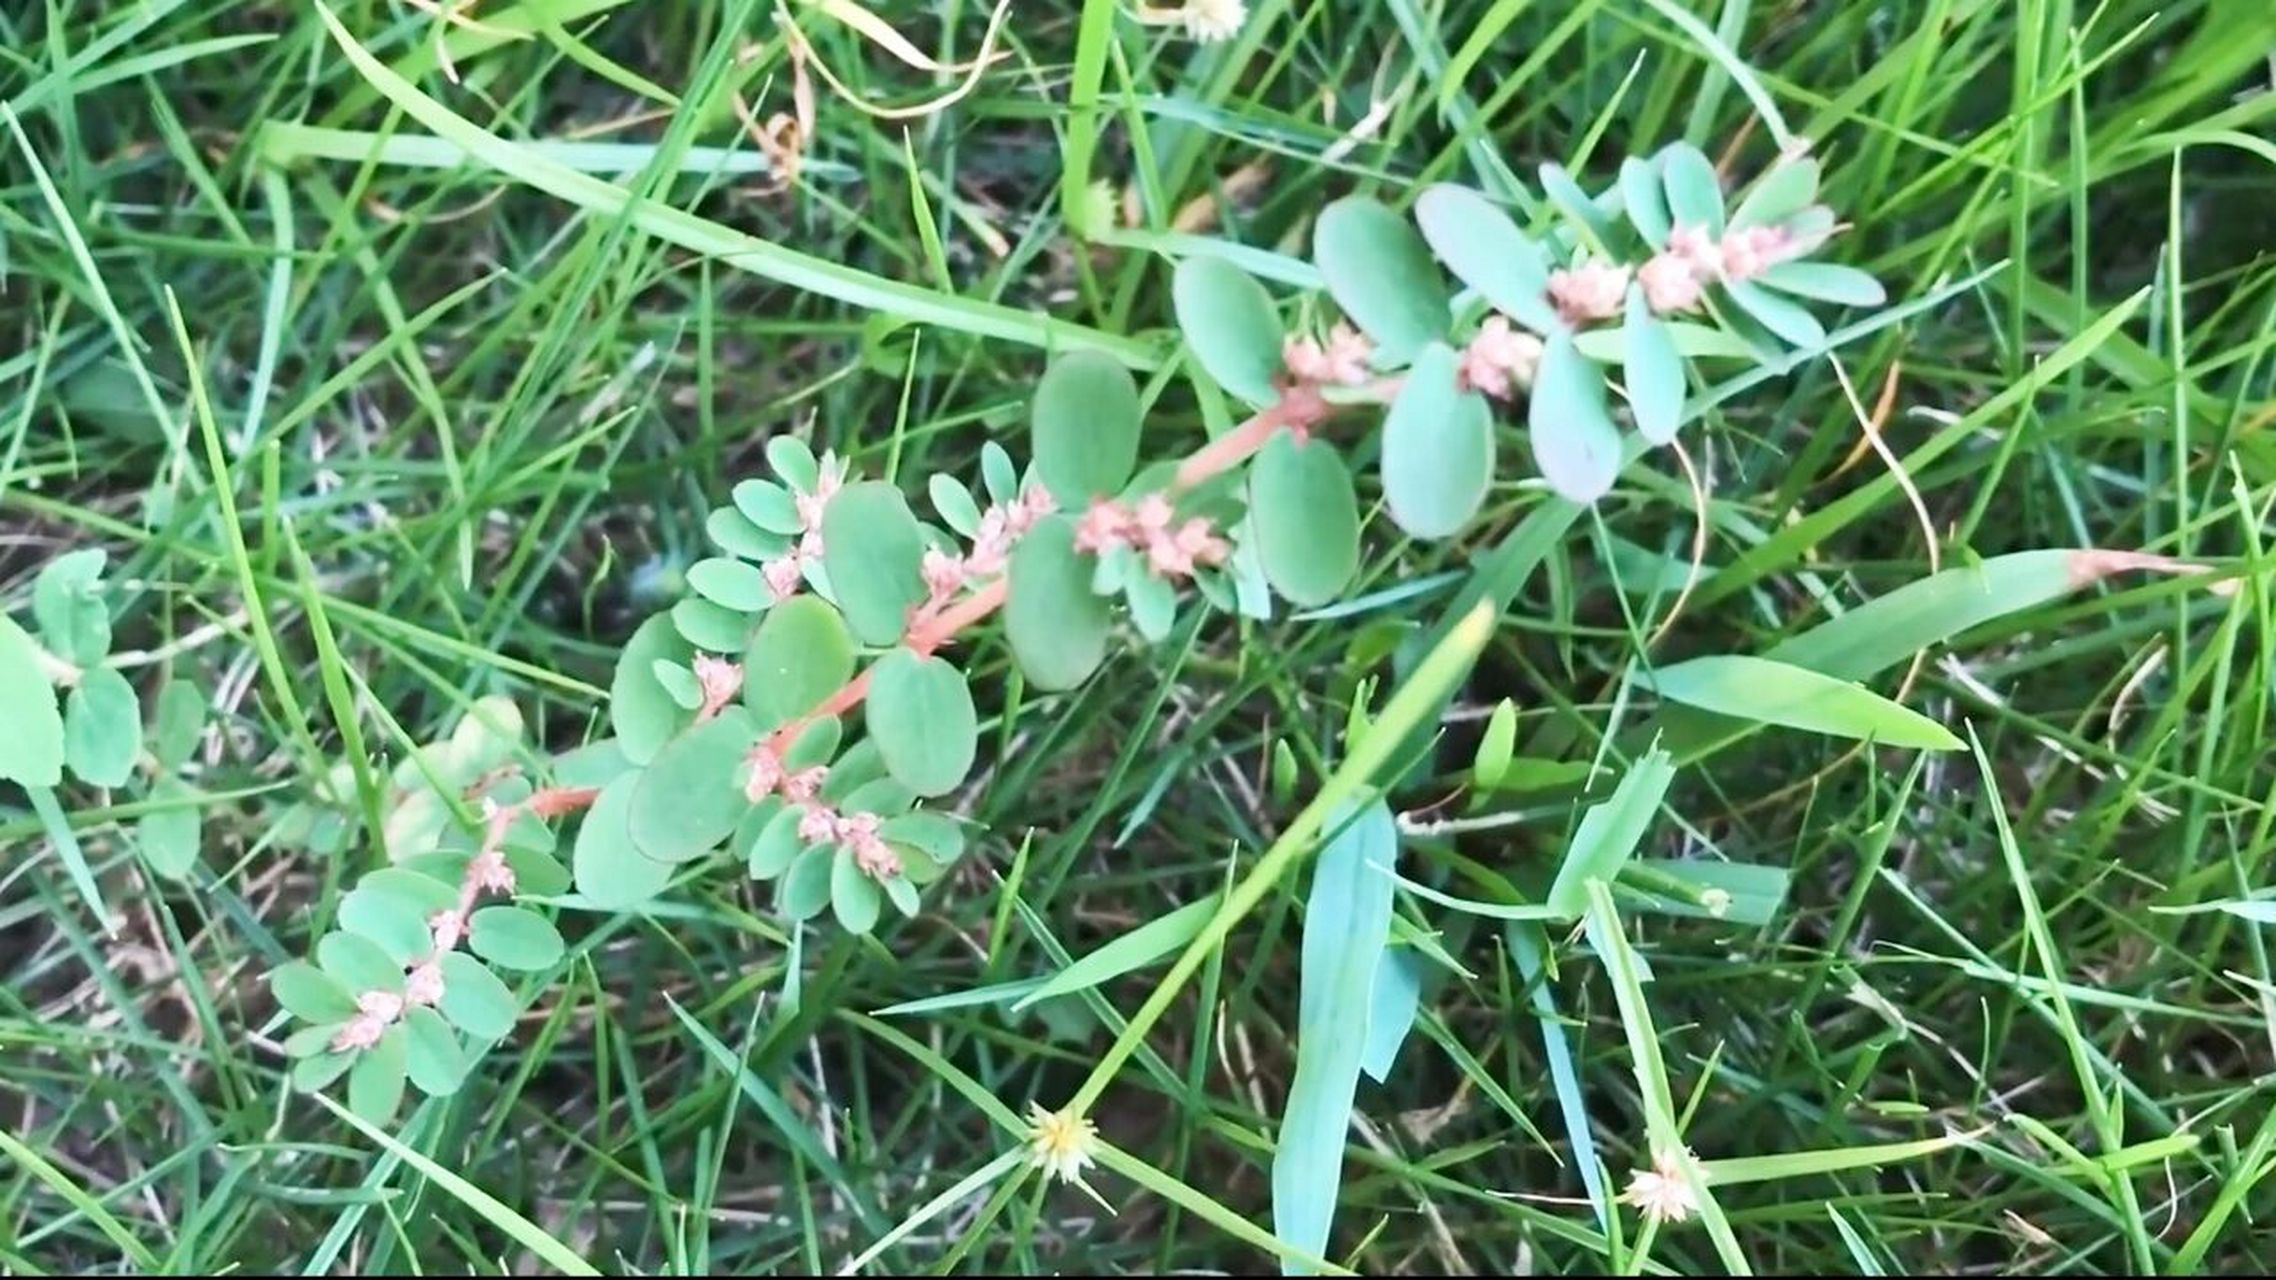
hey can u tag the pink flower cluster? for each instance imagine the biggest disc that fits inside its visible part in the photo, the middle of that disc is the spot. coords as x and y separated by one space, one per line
768 776
1341 362
1675 277
1001 527
720 680
1171 549
820 824
1589 289
786 571
1500 358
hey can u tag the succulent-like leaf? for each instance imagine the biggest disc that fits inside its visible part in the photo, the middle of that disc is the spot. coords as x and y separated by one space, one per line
1654 372
777 844
68 605
358 964
711 627
1785 190
375 1083
800 654
102 728
432 1054
954 503
1486 251
1085 419
1644 199
738 535
308 993
179 721
1575 204
1304 517
1825 282
1790 320
31 750
730 583
641 710
610 870
1230 326
474 1000
1381 273
691 795
514 937
854 897
794 462
1574 440
872 549
169 833
1694 194
805 889
1057 628
769 507
1438 448
921 718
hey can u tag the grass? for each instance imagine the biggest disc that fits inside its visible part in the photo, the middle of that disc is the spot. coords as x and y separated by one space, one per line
476 356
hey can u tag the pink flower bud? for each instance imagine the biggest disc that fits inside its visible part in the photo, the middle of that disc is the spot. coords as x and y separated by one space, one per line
720 681
489 872
384 1006
424 985
360 1032
1105 525
447 927
802 786
818 826
943 573
1695 246
765 772
1747 251
782 576
1588 290
1153 514
1671 283
1500 358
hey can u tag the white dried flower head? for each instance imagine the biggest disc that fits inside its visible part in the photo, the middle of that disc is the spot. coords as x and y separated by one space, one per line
1662 1193
1212 20
1061 1143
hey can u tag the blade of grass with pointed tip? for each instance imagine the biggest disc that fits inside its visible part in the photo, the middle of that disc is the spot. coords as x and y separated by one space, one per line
1798 698
1134 950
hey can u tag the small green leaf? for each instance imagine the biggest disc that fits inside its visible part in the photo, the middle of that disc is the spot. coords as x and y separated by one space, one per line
1790 320
1645 200
1825 282
392 921
1142 946
1057 628
854 897
815 744
1438 448
1575 204
800 654
432 1054
691 795
1694 194
1692 341
537 872
1391 1009
1486 251
872 548
730 584
641 710
474 1000
778 843
1787 189
179 723
312 1040
1654 372
358 964
1230 326
1496 746
1153 606
805 889
1305 518
313 1074
902 892
921 718
711 627
738 535
1381 273
375 1083
939 836
102 729
515 938
610 870
1753 891
169 834
997 473
1574 440
1086 419
1609 833
954 503
794 462
419 892
67 603
680 683
1798 698
769 507
31 750
308 993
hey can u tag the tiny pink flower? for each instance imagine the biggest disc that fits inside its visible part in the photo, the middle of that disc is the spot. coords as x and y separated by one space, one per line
1671 283
385 1006
765 773
448 927
360 1032
1153 514
1748 250
1500 358
943 573
1105 525
1342 360
818 826
720 681
782 576
802 786
489 872
424 985
1588 290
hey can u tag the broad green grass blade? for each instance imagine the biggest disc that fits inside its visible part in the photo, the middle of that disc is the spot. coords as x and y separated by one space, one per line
1347 917
1609 834
1135 950
1798 698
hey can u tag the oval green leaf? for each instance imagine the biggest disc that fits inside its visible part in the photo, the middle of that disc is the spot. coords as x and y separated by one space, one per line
1438 448
691 795
1789 319
375 1083
872 548
68 605
31 751
391 920
515 938
1575 442
641 710
1382 275
921 718
1825 282
805 889
102 729
1694 194
730 584
1645 200
778 843
474 1000
436 1063
1486 251
1230 326
169 835
358 964
1787 189
1085 420
308 993
738 535
1654 372
1057 628
711 627
1778 693
854 897
610 870
1304 517
179 722
800 654
769 507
